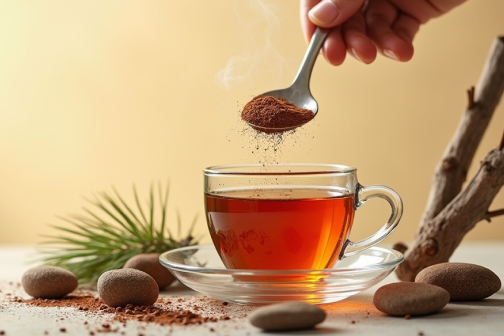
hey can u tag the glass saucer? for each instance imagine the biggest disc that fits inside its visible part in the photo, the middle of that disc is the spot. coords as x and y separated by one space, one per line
200 268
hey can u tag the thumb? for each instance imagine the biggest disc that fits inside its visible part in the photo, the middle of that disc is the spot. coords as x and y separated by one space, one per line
330 13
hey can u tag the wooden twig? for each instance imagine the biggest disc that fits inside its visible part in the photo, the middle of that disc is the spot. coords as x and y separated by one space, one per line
401 247
491 214
470 98
442 228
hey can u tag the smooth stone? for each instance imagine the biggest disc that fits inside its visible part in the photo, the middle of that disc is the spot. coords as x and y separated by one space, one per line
149 263
48 282
464 282
287 316
410 298
120 287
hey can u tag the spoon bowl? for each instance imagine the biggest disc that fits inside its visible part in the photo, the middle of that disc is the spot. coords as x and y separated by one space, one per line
298 93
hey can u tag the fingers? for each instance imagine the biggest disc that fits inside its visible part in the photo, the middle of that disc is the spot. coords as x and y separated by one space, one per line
307 26
444 6
384 22
357 42
386 26
422 10
334 49
330 13
406 27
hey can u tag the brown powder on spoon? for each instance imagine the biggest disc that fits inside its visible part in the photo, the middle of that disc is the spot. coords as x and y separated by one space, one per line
269 114
272 112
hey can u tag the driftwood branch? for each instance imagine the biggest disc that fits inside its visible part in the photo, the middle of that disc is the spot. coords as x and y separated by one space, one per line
450 213
452 170
436 240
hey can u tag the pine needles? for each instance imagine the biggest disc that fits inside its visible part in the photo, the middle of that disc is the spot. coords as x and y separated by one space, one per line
106 237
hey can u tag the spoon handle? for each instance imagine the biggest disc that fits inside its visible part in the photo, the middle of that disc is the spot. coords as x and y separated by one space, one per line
302 78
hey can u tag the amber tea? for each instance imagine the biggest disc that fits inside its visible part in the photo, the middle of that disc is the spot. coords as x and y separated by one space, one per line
279 228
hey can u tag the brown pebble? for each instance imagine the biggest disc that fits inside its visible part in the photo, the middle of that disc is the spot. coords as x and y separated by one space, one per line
410 298
127 286
149 263
464 282
287 316
48 282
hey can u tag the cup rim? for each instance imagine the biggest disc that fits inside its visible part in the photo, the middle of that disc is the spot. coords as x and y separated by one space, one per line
284 169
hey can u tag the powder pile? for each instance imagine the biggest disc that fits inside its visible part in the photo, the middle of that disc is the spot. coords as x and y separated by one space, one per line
162 312
272 112
82 312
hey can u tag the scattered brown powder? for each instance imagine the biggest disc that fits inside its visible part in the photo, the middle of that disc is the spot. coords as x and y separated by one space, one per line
80 300
93 317
161 312
272 112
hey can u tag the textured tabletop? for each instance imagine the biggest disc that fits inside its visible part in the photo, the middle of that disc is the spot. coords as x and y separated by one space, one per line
355 315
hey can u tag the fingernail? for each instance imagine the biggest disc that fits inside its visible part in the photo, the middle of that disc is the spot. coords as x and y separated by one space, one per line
354 54
390 54
324 13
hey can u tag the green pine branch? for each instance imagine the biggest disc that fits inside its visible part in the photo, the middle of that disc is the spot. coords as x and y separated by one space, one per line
111 232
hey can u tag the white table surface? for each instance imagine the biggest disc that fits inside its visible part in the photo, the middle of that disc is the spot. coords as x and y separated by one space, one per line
355 315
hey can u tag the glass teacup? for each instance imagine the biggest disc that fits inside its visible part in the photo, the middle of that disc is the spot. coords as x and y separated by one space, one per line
289 216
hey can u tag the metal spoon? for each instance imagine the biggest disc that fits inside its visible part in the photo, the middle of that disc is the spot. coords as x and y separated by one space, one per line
298 93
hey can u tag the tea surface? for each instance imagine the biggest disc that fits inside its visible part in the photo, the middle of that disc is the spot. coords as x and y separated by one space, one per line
279 228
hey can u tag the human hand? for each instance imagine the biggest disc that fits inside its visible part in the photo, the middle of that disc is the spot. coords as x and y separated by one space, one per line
364 28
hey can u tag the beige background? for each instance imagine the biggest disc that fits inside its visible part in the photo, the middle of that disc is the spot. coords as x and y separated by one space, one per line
95 94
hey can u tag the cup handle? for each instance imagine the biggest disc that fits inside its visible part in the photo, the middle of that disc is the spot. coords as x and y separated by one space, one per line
362 195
